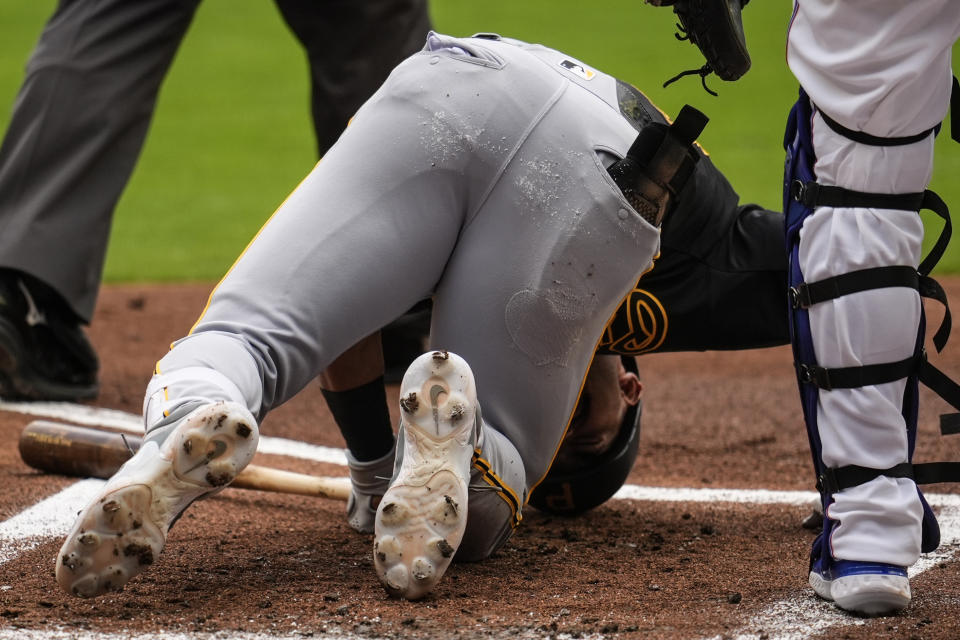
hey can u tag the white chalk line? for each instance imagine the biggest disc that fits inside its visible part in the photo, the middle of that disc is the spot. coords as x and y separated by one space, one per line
47 519
789 619
78 414
806 615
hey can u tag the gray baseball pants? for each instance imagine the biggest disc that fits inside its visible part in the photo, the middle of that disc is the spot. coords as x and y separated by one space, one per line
475 176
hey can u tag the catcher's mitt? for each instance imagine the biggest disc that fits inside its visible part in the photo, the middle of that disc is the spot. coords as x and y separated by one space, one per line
716 27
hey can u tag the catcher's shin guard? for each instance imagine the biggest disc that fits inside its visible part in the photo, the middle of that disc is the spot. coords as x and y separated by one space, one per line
802 195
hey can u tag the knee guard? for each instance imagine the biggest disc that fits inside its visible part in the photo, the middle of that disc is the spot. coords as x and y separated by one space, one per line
802 195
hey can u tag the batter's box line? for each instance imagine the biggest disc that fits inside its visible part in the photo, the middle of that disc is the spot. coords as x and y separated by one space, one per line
797 618
132 423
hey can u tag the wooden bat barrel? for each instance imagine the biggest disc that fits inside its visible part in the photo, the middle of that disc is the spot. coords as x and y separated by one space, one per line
74 450
87 452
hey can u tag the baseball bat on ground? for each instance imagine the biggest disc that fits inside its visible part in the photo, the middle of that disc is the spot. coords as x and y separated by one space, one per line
94 453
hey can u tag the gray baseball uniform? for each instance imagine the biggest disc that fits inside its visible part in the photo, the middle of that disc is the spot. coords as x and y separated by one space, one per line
475 175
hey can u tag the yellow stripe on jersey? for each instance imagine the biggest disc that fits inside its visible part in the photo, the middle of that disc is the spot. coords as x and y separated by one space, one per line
166 392
505 492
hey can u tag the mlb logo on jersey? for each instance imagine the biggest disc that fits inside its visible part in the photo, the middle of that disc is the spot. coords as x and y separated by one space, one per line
578 69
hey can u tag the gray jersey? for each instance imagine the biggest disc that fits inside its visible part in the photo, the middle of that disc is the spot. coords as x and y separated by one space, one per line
475 175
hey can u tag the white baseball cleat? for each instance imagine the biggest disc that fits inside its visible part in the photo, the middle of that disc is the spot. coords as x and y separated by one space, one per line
421 518
123 530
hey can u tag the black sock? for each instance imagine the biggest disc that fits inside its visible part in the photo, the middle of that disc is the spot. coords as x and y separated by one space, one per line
363 418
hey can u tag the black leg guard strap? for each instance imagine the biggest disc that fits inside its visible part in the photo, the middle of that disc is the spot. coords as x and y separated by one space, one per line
877 141
938 382
807 294
853 377
813 195
840 478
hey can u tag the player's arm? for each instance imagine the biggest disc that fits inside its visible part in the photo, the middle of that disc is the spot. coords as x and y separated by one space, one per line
731 297
720 281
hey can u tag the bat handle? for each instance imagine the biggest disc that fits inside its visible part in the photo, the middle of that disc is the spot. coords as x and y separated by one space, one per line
269 479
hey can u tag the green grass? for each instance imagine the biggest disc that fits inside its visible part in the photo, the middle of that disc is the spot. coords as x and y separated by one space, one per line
231 135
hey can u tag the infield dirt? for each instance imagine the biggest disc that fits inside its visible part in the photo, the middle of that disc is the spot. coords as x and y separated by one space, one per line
275 564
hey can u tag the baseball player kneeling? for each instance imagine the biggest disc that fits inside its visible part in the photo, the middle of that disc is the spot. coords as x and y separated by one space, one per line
524 193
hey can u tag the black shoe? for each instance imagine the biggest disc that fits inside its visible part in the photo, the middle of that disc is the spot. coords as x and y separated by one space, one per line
44 353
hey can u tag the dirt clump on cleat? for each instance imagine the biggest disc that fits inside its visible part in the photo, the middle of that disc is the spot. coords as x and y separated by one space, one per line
421 519
123 530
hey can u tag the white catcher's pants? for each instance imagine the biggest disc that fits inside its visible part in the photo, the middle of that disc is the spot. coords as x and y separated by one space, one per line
882 67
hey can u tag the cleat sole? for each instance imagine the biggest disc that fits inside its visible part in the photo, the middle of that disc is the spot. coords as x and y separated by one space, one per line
422 517
123 531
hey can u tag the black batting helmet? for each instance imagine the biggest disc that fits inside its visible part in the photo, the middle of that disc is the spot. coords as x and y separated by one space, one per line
577 491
